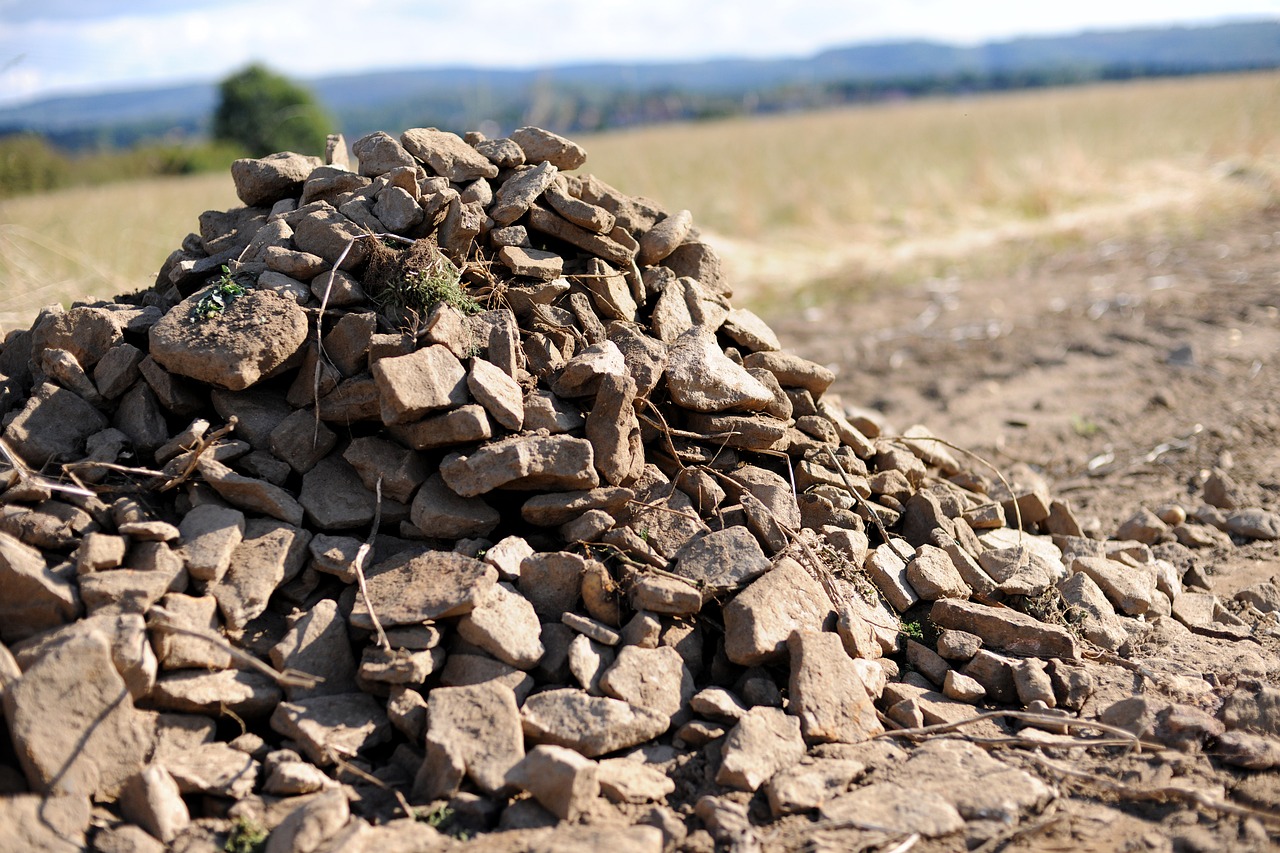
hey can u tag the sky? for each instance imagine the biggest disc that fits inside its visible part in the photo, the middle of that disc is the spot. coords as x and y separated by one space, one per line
51 47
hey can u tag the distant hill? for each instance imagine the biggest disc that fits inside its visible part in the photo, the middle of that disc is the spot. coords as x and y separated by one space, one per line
596 96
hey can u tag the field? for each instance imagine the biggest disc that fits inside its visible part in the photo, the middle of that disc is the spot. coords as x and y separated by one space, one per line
802 205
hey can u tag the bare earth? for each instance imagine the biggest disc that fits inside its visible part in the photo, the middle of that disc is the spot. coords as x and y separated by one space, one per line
1123 372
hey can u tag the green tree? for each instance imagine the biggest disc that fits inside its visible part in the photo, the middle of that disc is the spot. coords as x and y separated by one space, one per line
266 113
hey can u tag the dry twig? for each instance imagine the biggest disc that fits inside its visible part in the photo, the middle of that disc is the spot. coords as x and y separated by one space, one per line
162 620
366 547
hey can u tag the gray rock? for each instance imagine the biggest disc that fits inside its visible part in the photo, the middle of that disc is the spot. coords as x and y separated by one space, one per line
564 782
270 554
249 339
73 724
400 470
504 624
417 585
317 645
35 598
591 725
250 494
827 692
264 181
447 154
53 426
414 385
1006 629
701 377
1130 588
526 463
379 153
334 496
541 146
763 742
463 425
656 679
473 731
761 618
332 727
440 513
721 559
890 807
245 692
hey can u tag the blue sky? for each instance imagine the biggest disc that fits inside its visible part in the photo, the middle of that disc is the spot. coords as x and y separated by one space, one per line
62 46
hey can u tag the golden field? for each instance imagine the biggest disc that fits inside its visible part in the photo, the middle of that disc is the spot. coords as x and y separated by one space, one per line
806 206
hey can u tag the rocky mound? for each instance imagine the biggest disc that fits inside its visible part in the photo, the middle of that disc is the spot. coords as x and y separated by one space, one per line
452 495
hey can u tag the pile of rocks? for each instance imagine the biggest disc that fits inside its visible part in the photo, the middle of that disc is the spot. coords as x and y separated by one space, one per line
569 548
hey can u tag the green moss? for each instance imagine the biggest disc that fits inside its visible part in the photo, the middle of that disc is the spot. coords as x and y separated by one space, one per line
247 836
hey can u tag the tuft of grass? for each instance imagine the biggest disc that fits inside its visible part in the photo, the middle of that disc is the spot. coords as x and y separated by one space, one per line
247 836
416 280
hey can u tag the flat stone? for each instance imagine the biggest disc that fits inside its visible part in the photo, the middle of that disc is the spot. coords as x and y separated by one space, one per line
317 645
463 425
516 194
249 339
250 494
1099 622
507 554
1004 628
792 371
827 692
398 666
401 470
563 781
462 670
666 595
53 426
504 624
656 679
541 146
886 569
592 628
760 619
334 497
447 154
1130 588
531 263
591 725
701 377
73 723
302 441
177 650
525 463
962 688
890 807
1254 523
807 785
215 769
473 731
722 559
501 395
418 585
55 825
552 582
933 575
245 692
441 514
332 727
425 381
35 598
625 780
263 181
270 554
588 660
763 742
557 508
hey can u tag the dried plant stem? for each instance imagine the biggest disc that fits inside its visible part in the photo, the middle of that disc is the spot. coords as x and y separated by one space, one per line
362 555
866 507
162 620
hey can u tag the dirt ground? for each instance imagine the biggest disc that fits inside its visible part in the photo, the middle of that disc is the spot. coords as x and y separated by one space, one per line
1123 371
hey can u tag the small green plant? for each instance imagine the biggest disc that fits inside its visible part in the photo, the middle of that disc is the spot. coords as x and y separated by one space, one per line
247 836
914 630
224 291
437 817
1083 426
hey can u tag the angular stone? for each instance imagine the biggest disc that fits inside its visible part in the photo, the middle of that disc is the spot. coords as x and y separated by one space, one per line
418 585
563 781
531 263
501 395
245 692
73 724
262 182
543 146
701 377
761 618
476 729
177 650
210 534
414 385
249 339
1254 523
35 598
591 725
441 514
332 727
722 559
516 194
151 799
792 371
526 463
809 784
1130 588
53 426
400 470
463 425
1004 628
504 624
656 679
56 825
270 554
552 582
250 494
891 807
933 575
334 496
888 572
555 509
663 238
317 645
311 824
1099 622
625 780
447 154
215 769
588 660
669 596
827 692
763 742
379 153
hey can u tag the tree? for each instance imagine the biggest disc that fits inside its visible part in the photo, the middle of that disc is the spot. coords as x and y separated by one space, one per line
266 113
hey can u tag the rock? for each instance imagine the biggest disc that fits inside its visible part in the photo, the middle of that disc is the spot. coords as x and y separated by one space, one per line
463 425
761 618
419 585
702 378
447 154
1253 710
887 570
614 431
541 146
1264 597
264 181
557 508
245 692
425 381
1130 588
933 575
763 742
624 780
890 807
331 727
501 395
1143 526
660 594
591 725
473 730
1222 491
721 559
827 692
249 339
552 582
504 624
656 679
526 463
250 494
1099 623
441 514
317 645
1254 523
597 631
1003 628
926 662
334 497
962 688
151 799
177 650
1032 683
73 724
51 824
35 598
588 660
271 554
1252 752
514 198
311 824
976 784
53 427
807 785
560 779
